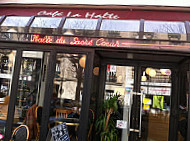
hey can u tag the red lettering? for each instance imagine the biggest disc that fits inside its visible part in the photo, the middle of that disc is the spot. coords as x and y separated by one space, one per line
102 42
76 41
37 39
61 41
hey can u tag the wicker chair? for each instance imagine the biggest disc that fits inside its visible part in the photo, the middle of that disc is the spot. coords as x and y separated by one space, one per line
21 133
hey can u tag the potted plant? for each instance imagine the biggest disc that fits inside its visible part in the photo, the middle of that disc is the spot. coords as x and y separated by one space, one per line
105 124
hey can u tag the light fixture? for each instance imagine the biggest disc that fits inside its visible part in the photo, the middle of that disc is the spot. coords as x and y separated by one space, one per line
96 71
82 61
68 32
148 70
174 36
165 71
143 78
148 35
11 30
152 73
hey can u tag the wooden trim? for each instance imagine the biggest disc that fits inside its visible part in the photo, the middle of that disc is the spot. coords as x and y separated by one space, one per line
100 95
48 94
13 96
86 97
141 29
188 122
29 24
187 28
61 25
173 122
2 19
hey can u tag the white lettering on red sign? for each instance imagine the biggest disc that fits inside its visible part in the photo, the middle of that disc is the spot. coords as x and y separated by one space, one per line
89 15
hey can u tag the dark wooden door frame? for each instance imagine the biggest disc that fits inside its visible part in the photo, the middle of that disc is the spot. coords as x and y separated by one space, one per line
13 95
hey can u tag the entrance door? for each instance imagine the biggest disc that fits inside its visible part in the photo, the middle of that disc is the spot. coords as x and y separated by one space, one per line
143 101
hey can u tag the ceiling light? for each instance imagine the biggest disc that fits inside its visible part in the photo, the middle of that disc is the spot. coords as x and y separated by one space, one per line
82 61
152 73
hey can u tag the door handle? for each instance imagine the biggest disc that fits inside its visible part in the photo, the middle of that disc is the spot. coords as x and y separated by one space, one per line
140 122
140 113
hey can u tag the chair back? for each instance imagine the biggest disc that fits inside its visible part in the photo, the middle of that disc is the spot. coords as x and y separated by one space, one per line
38 116
62 113
91 120
21 133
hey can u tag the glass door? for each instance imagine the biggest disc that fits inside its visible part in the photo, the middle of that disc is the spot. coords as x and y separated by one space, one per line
30 93
67 94
156 94
137 115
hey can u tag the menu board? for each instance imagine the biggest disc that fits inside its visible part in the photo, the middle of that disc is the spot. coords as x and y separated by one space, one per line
60 132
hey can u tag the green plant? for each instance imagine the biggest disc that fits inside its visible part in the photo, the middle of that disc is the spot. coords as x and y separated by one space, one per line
105 124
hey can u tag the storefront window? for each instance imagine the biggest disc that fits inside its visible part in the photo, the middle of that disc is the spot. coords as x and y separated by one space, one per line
15 21
29 100
46 22
72 23
7 58
67 93
164 27
156 90
120 25
136 115
117 103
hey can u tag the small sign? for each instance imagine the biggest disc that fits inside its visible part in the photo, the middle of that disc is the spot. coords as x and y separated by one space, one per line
147 101
60 132
146 107
121 124
112 68
108 67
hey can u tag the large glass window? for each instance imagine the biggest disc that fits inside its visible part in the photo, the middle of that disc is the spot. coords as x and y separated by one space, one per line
46 22
89 24
164 27
67 93
15 21
30 94
120 25
156 90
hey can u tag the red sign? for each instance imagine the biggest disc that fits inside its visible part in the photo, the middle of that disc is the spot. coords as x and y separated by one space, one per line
95 14
104 42
75 41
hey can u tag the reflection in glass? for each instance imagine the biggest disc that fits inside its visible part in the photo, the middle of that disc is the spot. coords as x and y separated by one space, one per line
46 22
29 109
164 27
120 25
7 58
119 81
156 103
89 24
67 94
15 21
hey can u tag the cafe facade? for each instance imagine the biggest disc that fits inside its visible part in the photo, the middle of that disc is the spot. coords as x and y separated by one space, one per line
67 60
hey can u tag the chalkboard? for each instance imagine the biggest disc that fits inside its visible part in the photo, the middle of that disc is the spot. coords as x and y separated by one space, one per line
60 132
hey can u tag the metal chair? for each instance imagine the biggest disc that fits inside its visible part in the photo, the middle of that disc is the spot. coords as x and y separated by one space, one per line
21 133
